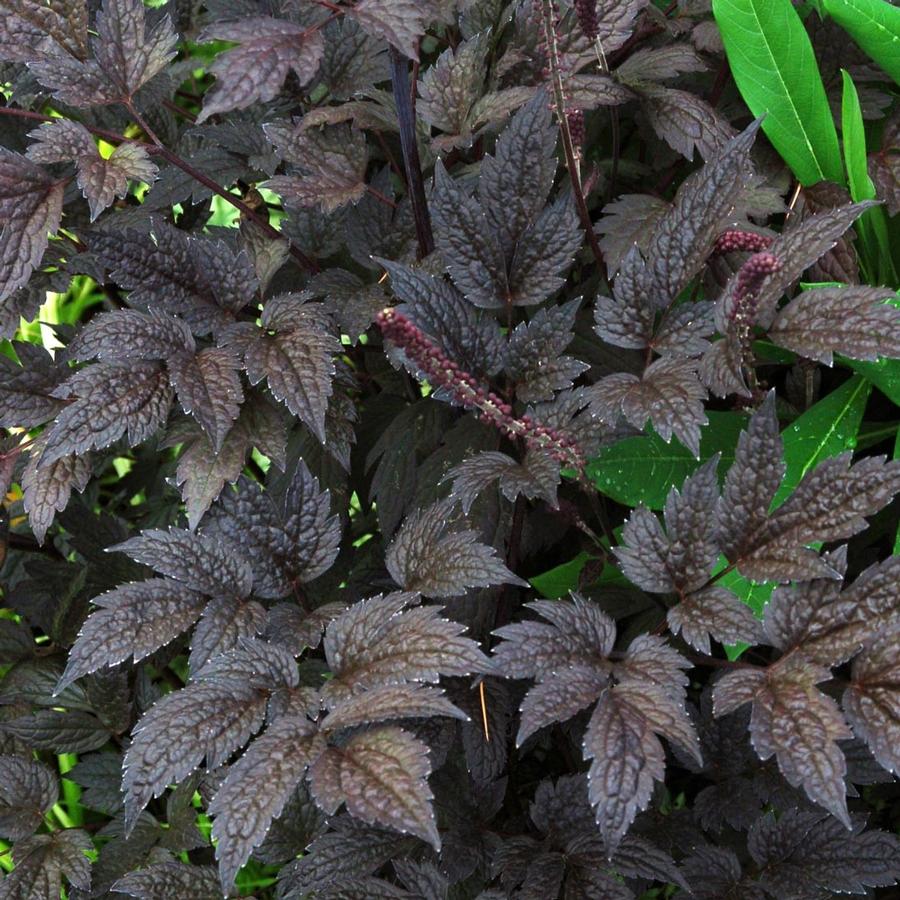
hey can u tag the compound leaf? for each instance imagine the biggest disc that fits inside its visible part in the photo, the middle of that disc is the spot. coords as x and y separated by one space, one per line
382 777
425 558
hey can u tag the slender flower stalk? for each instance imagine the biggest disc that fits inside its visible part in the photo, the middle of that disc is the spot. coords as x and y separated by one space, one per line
441 371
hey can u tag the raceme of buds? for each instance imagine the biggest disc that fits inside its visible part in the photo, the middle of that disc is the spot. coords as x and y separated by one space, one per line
750 277
586 11
575 119
734 240
465 389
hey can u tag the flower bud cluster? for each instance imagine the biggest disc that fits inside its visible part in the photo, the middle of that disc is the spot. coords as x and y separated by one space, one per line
575 120
586 11
751 276
734 240
465 389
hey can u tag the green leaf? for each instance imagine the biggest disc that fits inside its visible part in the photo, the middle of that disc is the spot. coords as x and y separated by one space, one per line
643 469
827 428
774 67
872 225
558 581
874 25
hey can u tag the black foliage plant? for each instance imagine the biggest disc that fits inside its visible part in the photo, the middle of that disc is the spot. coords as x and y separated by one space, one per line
440 472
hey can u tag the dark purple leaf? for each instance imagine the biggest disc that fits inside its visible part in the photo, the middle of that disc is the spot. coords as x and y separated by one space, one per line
382 777
256 789
255 71
427 558
378 642
132 621
27 790
853 321
106 399
196 561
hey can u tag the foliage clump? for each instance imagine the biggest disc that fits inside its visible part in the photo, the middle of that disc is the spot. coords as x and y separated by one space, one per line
453 464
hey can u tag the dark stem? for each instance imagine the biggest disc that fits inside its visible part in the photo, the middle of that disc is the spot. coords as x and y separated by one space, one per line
406 117
157 148
559 99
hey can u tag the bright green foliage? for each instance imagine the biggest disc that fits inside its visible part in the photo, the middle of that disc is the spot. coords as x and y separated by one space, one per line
775 69
874 25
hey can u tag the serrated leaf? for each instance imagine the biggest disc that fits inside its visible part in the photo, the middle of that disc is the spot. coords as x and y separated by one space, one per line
25 25
47 488
106 400
685 121
224 621
203 471
71 731
344 856
390 701
128 334
26 390
294 354
798 248
399 22
804 850
129 52
450 87
559 697
164 880
713 612
469 248
256 789
580 634
101 179
543 254
30 210
377 642
872 699
42 860
537 476
255 71
382 777
293 538
207 720
797 724
470 337
829 504
682 557
685 233
628 220
131 621
853 321
194 560
752 480
209 388
200 279
332 161
621 739
669 394
27 789
426 558
511 194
